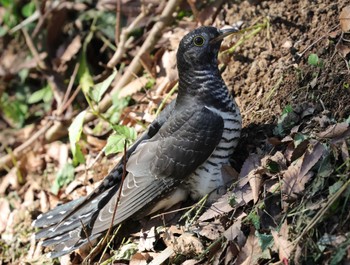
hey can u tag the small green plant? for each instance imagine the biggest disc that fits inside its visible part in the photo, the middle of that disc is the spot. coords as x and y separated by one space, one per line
314 60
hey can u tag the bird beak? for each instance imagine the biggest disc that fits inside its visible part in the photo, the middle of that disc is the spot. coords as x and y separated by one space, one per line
224 32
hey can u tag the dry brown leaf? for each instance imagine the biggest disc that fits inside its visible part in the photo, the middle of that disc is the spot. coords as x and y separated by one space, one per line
11 179
187 244
234 232
334 34
44 202
57 151
283 245
190 262
344 19
343 49
255 182
96 142
334 130
133 87
299 150
251 251
71 50
170 234
140 259
220 207
212 230
5 213
297 174
293 183
243 195
31 162
311 158
228 173
344 151
251 163
279 158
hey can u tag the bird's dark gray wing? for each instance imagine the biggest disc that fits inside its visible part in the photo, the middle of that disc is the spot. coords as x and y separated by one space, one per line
158 165
73 208
146 180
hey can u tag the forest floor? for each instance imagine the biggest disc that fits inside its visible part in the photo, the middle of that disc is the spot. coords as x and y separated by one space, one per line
289 72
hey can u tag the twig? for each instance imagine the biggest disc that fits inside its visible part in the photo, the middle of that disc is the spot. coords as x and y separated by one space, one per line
122 42
117 24
86 233
69 88
134 67
172 91
33 50
318 216
23 147
95 251
316 41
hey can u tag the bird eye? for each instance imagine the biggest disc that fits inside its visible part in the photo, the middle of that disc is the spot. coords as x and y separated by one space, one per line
198 41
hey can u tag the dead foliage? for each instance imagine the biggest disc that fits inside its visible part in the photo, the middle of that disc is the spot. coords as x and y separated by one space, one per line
105 68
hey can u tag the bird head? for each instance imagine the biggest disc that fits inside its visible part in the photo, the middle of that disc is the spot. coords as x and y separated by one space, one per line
200 47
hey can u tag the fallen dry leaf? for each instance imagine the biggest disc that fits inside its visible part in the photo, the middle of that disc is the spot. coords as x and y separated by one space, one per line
5 212
334 130
255 182
251 251
140 259
220 207
293 183
283 245
133 87
72 49
190 262
243 195
297 174
299 150
212 230
188 244
344 19
344 151
311 157
251 163
234 232
343 49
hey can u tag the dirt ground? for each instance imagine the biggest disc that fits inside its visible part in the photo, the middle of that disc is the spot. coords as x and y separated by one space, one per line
296 115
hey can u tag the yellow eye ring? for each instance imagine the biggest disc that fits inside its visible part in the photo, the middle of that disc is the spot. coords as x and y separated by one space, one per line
198 41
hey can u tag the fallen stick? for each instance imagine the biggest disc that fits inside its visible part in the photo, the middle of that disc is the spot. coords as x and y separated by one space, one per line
135 65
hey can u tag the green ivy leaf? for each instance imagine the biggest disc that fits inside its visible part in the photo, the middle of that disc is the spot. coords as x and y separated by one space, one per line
254 218
28 9
44 94
115 144
128 133
313 59
74 133
99 89
265 241
14 110
335 187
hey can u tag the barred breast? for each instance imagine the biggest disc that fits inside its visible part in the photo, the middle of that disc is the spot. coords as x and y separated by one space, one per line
208 176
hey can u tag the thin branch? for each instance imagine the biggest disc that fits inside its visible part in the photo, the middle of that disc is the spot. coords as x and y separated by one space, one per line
103 242
69 88
19 151
135 66
117 24
33 50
